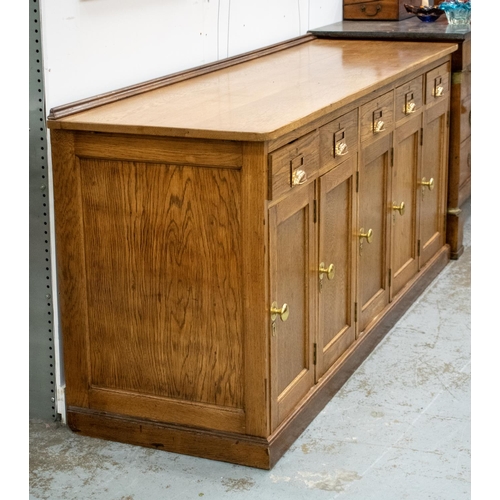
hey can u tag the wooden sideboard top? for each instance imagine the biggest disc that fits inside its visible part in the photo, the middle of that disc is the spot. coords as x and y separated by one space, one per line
263 98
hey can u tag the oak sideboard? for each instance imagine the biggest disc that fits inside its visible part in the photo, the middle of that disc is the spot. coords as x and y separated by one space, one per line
234 240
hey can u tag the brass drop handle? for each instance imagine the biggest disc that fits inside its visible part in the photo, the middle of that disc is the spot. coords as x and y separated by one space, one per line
371 14
400 208
438 92
411 107
329 271
378 127
368 235
299 177
429 184
282 312
341 149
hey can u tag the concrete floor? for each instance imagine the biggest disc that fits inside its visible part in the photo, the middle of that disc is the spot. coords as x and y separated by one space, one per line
400 428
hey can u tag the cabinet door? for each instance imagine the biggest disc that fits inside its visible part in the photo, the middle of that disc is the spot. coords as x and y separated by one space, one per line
432 184
337 246
404 206
373 222
293 281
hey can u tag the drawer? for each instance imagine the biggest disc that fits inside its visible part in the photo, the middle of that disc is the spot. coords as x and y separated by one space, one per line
338 139
377 116
378 10
292 165
437 84
409 99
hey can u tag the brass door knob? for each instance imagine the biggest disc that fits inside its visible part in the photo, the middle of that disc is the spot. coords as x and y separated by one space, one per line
368 235
429 184
411 107
299 177
329 271
400 208
282 312
341 149
378 127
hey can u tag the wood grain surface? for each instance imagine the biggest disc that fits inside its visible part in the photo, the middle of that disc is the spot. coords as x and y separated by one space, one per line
263 98
163 256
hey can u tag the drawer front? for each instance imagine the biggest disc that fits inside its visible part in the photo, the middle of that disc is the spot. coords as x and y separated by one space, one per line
437 84
409 99
377 117
378 10
338 139
293 165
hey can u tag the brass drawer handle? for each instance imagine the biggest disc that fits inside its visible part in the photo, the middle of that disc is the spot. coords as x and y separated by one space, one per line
341 149
378 127
368 235
329 271
411 107
282 312
400 208
439 91
299 177
429 184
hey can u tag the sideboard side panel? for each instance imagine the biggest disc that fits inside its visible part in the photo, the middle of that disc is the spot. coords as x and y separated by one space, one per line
71 268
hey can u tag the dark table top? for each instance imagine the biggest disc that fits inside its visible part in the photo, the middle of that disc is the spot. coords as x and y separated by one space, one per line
407 29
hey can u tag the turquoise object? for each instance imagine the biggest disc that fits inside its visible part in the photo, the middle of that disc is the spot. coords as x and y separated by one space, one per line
457 12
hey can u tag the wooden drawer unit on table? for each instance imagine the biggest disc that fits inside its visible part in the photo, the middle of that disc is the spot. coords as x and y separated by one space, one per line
380 10
219 271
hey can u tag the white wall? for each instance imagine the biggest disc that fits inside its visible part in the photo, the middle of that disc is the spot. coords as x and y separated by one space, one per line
95 46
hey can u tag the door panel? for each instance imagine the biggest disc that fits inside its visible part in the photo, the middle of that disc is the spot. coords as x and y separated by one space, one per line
292 263
404 209
336 247
159 323
373 286
432 202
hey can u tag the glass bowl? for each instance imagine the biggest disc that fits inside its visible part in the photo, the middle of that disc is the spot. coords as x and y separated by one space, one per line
457 13
425 13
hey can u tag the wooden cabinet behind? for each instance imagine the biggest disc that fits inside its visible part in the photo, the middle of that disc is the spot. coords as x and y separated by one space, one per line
216 291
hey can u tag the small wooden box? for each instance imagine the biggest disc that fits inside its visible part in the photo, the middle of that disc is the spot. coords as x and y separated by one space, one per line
377 10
